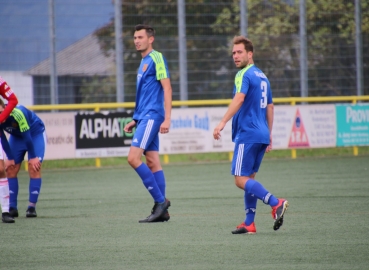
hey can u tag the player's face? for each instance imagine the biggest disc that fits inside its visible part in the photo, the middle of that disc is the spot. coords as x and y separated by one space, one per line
241 57
142 42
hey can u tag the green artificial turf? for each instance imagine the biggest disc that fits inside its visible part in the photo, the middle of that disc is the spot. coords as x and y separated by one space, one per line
88 219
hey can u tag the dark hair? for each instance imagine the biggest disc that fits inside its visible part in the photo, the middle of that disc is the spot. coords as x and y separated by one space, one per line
150 31
2 103
245 41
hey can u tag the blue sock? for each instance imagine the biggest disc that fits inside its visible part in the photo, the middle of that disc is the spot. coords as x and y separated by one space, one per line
34 189
13 192
160 181
149 182
250 207
254 187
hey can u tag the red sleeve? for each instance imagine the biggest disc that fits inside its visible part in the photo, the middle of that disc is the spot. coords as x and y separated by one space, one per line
7 93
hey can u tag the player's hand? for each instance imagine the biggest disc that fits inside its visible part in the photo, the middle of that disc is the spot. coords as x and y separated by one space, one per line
128 128
164 128
9 164
35 164
217 130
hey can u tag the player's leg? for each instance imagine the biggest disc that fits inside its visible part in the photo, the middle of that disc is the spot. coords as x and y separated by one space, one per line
35 182
4 192
246 163
12 173
254 154
19 149
146 130
153 162
279 205
243 172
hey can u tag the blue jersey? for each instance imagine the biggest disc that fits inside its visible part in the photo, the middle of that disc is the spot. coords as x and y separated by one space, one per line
24 124
249 124
149 91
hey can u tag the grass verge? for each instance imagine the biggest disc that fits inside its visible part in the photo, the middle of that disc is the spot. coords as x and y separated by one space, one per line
204 157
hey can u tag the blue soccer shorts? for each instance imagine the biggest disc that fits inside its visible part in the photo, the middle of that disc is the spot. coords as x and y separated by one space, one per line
147 134
19 148
247 158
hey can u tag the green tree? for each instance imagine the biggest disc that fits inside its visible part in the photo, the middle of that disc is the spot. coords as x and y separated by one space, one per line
274 29
98 90
273 26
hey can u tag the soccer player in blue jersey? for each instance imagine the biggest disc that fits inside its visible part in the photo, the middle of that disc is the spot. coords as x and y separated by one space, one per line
151 116
27 134
252 110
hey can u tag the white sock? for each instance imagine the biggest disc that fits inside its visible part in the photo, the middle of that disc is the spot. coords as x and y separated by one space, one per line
4 195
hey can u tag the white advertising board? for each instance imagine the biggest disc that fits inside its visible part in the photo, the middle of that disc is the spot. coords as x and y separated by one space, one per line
60 134
191 131
304 126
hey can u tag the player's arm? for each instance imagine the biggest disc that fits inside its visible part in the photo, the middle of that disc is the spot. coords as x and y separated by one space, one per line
5 145
34 161
7 93
25 130
29 143
167 87
233 108
270 116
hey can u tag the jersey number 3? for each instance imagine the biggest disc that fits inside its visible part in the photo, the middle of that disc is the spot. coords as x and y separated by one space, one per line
264 90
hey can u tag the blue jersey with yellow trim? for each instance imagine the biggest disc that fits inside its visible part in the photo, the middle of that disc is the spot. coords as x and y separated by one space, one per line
22 121
249 124
149 91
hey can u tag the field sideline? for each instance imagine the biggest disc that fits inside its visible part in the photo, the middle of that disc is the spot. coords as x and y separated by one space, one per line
88 219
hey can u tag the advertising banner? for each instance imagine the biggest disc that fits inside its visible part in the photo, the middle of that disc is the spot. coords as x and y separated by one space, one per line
102 134
304 126
352 125
191 131
60 135
92 135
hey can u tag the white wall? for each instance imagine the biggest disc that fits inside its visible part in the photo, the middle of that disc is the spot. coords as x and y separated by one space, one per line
21 85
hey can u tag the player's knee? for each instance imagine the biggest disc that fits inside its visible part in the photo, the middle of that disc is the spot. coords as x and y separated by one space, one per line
11 172
33 173
153 164
133 161
238 182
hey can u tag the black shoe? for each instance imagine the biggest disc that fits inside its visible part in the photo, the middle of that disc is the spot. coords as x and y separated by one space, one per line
31 212
163 217
7 218
159 213
13 212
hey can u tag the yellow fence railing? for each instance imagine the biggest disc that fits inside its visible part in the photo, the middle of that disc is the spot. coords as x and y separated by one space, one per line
177 103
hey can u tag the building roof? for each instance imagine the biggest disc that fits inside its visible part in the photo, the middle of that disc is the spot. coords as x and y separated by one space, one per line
83 58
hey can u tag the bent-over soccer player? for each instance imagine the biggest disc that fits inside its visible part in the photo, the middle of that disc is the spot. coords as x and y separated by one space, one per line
27 134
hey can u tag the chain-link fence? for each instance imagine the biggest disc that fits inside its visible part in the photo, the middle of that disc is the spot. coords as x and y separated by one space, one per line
86 69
